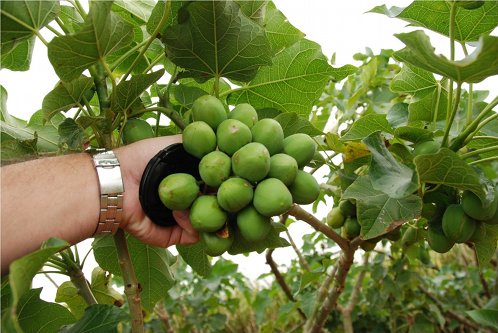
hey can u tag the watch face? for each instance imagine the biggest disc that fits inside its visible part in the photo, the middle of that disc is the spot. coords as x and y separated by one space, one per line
172 159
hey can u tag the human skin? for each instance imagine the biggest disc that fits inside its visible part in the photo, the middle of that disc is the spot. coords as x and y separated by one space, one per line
60 197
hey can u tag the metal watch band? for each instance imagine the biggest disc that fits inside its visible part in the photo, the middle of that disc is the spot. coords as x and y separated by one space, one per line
111 191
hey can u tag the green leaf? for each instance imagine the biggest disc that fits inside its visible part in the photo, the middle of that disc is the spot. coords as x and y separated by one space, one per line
36 315
292 84
215 39
184 95
280 32
127 92
377 212
413 134
293 123
435 15
24 269
272 241
425 109
65 96
101 287
367 125
151 267
446 168
103 33
486 247
386 173
486 317
195 256
484 142
414 81
18 58
98 318
474 68
158 12
45 131
139 9
71 136
21 19
71 18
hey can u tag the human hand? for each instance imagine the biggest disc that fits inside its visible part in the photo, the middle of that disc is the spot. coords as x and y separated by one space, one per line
133 159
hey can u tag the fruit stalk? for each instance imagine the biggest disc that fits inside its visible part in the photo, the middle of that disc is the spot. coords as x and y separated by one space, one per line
300 214
281 281
319 317
131 285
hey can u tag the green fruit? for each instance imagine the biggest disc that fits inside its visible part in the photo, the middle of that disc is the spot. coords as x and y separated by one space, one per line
470 4
215 168
283 167
209 109
305 188
437 239
479 232
232 135
410 237
272 197
135 130
426 147
473 206
245 113
368 246
187 116
216 243
493 219
206 215
347 208
300 146
457 226
394 235
429 210
252 225
251 162
234 194
335 219
269 133
351 228
177 191
198 139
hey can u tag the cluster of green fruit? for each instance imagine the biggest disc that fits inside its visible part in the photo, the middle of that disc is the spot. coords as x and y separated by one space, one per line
462 222
249 170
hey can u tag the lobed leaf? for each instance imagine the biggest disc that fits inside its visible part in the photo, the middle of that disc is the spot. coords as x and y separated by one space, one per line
413 80
103 33
293 123
485 317
447 168
292 84
36 315
367 125
377 213
98 318
18 58
272 241
138 9
65 96
474 68
215 39
151 266
435 15
486 247
195 256
279 31
386 173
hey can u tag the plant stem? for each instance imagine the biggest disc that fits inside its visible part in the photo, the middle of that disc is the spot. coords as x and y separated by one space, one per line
131 285
281 281
479 151
484 160
300 256
160 25
353 299
170 113
470 131
154 62
115 64
62 25
319 317
78 278
452 115
53 30
436 107
97 72
299 213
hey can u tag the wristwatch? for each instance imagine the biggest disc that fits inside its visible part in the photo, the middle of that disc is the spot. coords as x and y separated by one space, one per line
111 191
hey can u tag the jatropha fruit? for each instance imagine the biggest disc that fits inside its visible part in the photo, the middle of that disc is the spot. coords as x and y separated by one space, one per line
249 172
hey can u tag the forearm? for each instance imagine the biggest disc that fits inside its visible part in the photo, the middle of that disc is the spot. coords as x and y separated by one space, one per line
50 197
